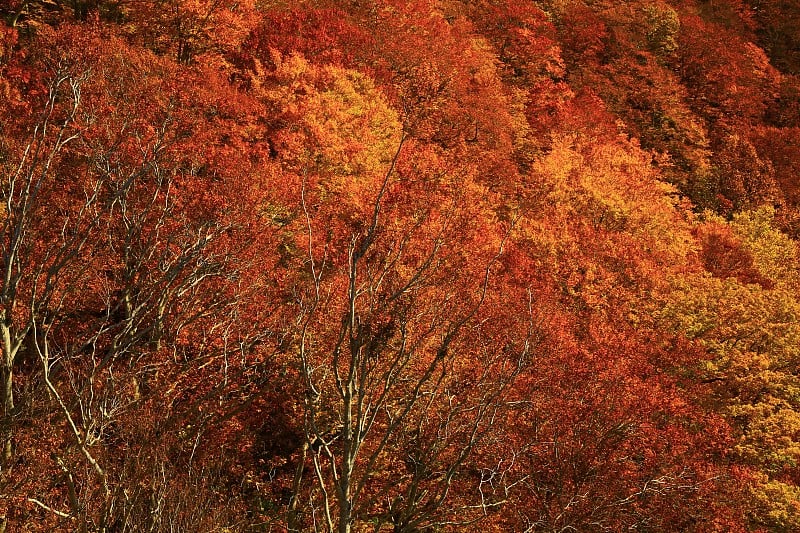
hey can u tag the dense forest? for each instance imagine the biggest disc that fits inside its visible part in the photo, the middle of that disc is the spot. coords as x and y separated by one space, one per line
399 265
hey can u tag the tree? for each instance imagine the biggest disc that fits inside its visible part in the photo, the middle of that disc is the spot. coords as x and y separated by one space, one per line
188 30
750 330
382 353
120 262
719 92
385 307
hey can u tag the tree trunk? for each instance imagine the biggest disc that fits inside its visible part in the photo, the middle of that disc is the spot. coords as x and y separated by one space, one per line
8 407
7 394
348 460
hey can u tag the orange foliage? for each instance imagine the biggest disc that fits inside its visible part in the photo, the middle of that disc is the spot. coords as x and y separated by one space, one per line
408 264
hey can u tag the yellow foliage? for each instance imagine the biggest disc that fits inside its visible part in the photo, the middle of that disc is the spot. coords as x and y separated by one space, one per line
777 505
775 254
610 188
753 336
663 25
338 125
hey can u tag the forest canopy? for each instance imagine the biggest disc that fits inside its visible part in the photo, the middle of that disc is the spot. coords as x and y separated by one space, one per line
400 265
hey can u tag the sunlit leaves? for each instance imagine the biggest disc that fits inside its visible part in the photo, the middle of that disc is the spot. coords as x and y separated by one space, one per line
774 253
662 28
753 336
475 187
777 505
339 123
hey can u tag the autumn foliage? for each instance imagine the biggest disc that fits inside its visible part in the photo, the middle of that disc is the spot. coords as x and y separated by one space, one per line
405 265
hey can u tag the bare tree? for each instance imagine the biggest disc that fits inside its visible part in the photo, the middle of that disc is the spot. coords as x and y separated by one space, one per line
100 275
29 269
395 405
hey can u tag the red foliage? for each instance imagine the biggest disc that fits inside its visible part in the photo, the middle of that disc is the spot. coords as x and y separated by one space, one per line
326 35
385 264
724 257
730 79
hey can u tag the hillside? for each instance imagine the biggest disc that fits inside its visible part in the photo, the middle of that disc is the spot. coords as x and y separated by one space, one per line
400 265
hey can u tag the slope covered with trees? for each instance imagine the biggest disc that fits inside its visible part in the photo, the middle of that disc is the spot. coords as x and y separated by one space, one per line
402 265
